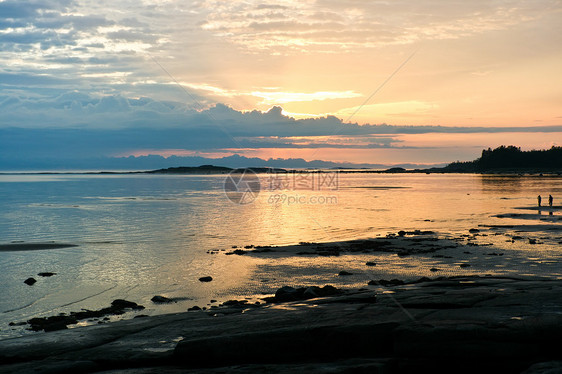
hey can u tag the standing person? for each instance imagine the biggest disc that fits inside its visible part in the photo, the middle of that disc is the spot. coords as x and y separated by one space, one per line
539 199
550 200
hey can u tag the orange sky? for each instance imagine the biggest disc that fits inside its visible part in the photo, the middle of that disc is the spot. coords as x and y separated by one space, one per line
404 63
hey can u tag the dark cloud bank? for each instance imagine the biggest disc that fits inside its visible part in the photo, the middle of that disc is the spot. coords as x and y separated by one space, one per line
76 131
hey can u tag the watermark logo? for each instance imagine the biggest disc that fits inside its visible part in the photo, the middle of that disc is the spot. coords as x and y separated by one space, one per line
242 186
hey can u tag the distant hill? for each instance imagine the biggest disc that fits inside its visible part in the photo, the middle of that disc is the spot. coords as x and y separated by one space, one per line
511 159
203 169
153 162
211 169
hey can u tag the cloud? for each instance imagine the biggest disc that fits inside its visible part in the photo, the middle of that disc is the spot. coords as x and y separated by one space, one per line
108 71
74 125
328 25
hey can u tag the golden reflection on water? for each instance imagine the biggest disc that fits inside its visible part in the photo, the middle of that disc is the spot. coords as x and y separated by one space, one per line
156 240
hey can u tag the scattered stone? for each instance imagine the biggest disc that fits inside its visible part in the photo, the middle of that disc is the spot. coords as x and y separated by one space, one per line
473 231
17 323
61 321
384 282
30 281
532 241
433 269
370 263
195 307
162 300
344 273
287 293
124 304
46 274
205 279
238 252
52 323
464 265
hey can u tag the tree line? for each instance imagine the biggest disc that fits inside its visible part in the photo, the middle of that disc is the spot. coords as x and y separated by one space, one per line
511 157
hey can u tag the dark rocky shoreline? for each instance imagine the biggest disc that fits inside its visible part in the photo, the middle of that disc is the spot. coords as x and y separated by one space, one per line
464 324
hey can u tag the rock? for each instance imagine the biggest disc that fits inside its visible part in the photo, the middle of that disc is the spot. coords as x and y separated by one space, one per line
311 292
473 231
30 281
195 307
401 233
124 304
162 300
17 323
52 323
287 293
46 274
55 326
344 273
384 282
433 269
238 252
235 303
329 290
61 321
532 241
205 279
549 367
464 265
370 263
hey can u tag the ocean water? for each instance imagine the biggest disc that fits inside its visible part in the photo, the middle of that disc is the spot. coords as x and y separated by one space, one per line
143 235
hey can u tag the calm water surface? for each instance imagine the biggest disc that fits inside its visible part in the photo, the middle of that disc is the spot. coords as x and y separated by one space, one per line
145 235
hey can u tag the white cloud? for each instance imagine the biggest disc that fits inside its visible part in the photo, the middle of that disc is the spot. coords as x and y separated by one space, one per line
328 25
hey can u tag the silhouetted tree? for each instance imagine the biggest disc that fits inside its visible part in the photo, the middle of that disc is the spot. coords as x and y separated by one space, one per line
511 157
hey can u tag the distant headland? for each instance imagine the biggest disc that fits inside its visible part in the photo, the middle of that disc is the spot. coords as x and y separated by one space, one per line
501 160
510 159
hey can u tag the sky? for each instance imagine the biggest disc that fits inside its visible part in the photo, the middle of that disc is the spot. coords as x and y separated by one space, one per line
422 81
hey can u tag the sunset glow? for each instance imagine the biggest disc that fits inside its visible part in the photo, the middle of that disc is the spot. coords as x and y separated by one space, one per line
167 64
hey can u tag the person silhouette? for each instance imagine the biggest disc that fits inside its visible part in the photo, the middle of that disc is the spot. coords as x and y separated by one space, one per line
539 200
550 200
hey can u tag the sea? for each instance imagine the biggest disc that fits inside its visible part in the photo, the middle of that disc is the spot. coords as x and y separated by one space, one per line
141 235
